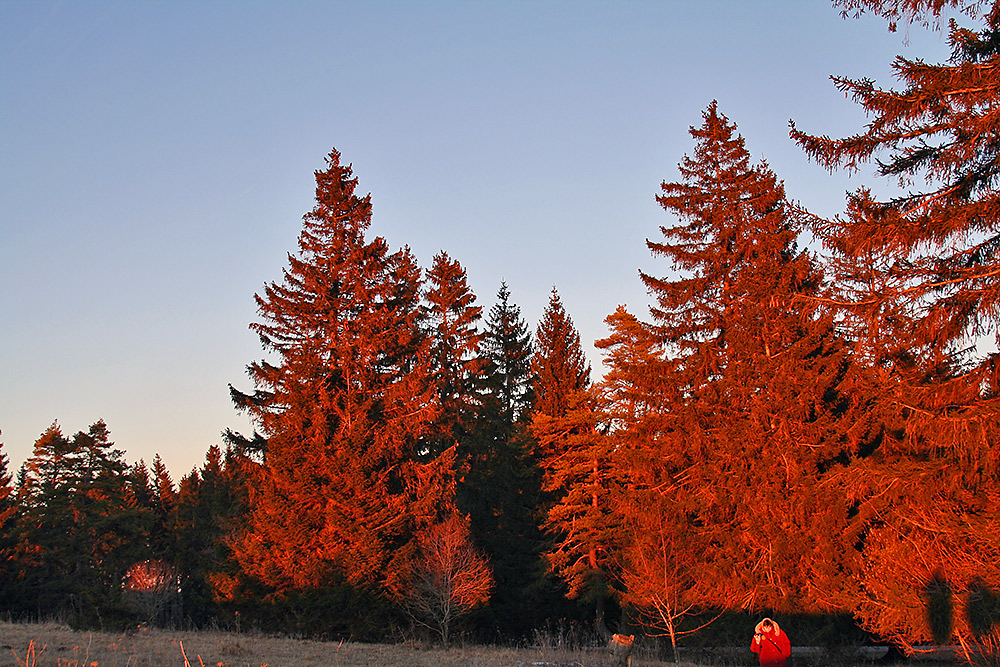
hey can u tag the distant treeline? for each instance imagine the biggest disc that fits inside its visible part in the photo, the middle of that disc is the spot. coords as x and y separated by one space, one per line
790 430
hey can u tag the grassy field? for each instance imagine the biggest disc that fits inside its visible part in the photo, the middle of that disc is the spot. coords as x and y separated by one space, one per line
56 645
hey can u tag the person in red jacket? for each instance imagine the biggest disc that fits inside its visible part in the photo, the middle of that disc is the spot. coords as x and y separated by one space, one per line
770 644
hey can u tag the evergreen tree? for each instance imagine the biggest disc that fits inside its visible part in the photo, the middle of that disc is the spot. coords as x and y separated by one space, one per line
729 406
164 502
452 318
572 453
345 406
506 350
579 480
923 268
207 514
80 531
8 497
8 515
500 490
559 364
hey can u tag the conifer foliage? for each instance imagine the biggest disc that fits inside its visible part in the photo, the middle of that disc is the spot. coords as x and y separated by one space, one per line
500 490
452 317
923 267
344 407
78 530
787 430
559 364
727 401
572 454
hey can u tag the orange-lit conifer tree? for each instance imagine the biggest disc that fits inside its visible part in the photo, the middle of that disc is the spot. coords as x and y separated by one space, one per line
922 270
729 405
452 317
571 452
344 405
558 362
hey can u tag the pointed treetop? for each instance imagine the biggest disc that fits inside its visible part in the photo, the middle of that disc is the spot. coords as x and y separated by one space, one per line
559 364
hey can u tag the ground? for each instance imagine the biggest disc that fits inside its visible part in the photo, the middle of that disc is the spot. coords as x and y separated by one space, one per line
57 646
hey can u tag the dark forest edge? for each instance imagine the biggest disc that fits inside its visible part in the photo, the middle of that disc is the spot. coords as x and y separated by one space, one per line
810 434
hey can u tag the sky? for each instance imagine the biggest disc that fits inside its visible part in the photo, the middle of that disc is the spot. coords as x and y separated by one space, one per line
156 159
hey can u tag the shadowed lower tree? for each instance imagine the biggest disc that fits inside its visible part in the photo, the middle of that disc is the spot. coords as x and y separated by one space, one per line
79 532
8 514
208 515
922 269
344 401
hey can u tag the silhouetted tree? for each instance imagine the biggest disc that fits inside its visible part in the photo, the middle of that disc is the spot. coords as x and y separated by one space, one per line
80 530
8 513
208 516
500 490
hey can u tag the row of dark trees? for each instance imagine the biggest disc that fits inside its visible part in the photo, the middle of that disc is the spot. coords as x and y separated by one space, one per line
790 430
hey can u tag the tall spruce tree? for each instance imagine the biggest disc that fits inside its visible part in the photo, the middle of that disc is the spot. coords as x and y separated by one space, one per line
572 453
500 490
558 363
922 269
345 405
729 405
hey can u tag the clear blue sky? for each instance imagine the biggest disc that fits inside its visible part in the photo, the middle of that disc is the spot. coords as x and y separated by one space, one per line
156 159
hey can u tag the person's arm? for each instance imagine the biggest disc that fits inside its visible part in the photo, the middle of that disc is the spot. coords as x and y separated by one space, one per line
755 644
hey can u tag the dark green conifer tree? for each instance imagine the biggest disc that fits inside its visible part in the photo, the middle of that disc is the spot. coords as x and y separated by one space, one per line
500 490
80 532
8 514
207 515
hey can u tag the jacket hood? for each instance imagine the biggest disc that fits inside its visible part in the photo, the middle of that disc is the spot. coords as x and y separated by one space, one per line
760 626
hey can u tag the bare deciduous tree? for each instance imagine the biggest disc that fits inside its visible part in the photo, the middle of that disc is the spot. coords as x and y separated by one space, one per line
448 578
656 578
151 588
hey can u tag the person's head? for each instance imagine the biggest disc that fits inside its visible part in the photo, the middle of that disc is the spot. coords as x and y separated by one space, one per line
767 625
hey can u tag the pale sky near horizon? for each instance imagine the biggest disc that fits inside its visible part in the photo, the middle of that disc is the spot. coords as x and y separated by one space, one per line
156 159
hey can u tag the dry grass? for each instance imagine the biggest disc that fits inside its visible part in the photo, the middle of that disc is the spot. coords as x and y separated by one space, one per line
56 645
